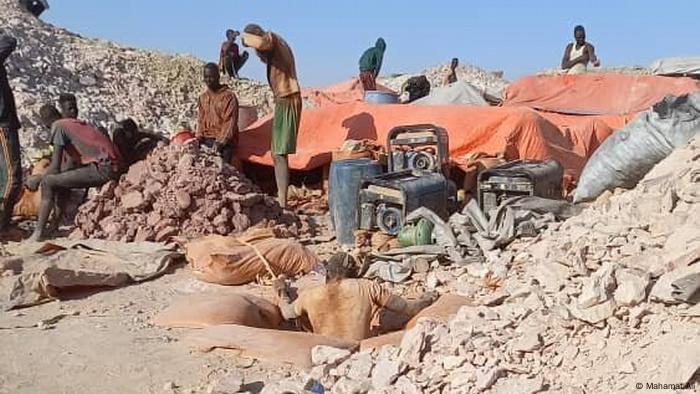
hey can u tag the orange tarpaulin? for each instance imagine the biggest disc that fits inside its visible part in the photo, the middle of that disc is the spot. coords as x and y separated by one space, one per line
340 93
595 94
519 133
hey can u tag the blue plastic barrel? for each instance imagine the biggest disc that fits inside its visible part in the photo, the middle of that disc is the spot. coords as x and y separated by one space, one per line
377 97
343 191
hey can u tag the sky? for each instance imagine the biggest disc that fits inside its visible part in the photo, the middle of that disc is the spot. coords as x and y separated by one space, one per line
327 37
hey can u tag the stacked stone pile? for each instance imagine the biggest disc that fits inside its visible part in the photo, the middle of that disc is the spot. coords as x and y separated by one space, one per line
179 191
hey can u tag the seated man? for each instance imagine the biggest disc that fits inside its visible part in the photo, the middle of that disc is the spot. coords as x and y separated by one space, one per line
68 104
579 53
134 144
217 115
344 307
96 161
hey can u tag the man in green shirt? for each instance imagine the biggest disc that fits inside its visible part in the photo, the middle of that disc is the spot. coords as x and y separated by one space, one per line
371 64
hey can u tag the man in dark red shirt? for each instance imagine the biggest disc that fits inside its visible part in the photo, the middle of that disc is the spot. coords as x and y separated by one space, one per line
95 157
230 58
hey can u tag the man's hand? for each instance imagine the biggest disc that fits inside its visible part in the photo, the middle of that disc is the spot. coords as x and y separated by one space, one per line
279 285
33 182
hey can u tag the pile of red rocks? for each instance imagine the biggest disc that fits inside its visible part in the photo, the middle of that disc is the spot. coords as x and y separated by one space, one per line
179 191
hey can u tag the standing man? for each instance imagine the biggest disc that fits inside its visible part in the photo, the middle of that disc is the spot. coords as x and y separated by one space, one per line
451 76
217 115
10 156
579 53
230 58
371 63
274 51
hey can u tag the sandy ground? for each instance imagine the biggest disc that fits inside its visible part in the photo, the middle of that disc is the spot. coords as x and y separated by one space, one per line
107 344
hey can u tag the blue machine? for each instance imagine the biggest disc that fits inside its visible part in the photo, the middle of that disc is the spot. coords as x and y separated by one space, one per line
344 181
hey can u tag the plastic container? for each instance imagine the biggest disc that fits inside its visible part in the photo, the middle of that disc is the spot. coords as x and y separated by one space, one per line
377 97
344 188
181 137
247 115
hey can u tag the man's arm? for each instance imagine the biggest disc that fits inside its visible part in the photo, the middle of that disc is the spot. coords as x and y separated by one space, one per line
230 126
200 118
54 167
266 42
7 46
284 302
408 308
152 136
592 56
565 61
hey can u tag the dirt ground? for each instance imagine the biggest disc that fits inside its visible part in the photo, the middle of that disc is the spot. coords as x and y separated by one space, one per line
107 344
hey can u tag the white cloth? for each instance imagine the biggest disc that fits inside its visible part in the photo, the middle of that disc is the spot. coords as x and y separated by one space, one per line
578 68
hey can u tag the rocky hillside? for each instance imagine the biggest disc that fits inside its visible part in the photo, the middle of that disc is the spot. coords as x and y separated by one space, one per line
111 81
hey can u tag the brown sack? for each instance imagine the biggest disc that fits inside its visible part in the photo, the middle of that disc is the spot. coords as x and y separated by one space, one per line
229 261
27 206
273 345
206 310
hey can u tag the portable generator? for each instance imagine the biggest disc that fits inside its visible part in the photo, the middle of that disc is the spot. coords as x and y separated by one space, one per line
385 200
422 147
519 178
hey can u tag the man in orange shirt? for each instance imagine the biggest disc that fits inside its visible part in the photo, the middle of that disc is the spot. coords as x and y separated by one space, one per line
344 307
217 115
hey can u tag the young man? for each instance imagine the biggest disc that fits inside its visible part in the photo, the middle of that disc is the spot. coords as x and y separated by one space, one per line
132 143
230 58
371 63
10 157
96 161
274 51
579 53
344 307
68 104
451 76
217 115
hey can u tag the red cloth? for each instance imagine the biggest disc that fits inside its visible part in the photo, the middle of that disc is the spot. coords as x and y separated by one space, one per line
84 143
368 80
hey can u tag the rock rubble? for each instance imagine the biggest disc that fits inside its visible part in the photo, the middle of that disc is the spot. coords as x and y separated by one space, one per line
111 82
179 191
598 303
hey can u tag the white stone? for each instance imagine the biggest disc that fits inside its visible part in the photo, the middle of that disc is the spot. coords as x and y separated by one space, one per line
386 372
528 342
351 386
361 366
631 287
485 378
328 355
598 287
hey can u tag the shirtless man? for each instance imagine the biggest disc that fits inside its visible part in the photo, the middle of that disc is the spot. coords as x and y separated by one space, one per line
578 54
344 307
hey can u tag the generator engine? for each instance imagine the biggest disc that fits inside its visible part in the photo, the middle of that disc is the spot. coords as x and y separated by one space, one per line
385 200
418 147
519 178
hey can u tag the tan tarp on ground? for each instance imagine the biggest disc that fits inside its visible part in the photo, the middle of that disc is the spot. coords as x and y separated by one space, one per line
446 306
204 310
291 347
38 273
229 261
